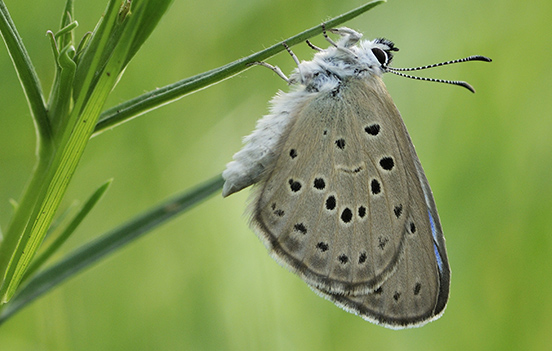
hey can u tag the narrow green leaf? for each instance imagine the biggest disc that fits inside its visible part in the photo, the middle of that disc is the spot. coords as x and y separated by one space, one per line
97 54
21 219
162 96
55 49
26 72
153 11
60 219
60 41
60 98
67 30
145 14
82 44
70 229
66 35
108 243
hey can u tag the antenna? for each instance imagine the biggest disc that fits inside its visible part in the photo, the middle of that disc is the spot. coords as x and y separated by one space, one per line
398 71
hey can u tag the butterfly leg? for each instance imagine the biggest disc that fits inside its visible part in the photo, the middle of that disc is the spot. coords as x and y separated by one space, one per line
277 69
353 35
312 46
349 38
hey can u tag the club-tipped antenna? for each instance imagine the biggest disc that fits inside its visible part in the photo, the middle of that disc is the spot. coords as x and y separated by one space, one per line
398 71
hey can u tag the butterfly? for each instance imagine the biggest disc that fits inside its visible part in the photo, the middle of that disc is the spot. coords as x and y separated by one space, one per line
340 196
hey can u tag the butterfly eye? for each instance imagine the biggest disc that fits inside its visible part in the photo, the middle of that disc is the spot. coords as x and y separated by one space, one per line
381 56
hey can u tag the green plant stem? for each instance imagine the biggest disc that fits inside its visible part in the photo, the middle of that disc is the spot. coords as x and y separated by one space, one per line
52 175
20 220
26 73
162 96
54 246
108 243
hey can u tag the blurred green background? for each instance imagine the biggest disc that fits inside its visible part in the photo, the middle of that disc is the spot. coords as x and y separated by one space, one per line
204 281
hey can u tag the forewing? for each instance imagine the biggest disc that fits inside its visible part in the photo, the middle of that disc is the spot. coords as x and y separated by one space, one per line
338 204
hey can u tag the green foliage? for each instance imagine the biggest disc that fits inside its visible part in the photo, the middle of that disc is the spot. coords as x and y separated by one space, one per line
83 80
203 281
81 86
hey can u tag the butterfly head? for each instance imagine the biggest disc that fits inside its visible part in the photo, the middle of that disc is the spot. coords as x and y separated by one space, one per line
382 50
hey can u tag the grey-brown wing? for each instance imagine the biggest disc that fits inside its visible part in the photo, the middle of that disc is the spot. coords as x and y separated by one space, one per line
337 206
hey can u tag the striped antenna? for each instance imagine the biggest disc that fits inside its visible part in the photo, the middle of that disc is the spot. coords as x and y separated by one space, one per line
398 71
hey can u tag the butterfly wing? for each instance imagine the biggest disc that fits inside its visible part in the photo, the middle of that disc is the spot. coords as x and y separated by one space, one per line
418 290
344 192
414 295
